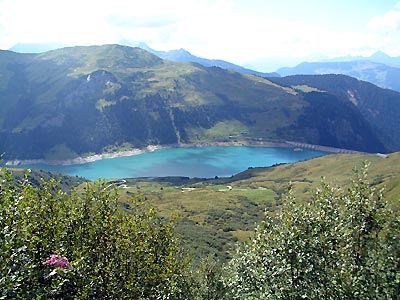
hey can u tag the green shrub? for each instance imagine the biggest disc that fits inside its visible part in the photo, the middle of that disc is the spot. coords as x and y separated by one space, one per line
106 253
341 245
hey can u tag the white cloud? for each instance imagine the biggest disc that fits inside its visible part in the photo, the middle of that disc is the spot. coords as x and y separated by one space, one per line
47 21
390 21
385 30
208 28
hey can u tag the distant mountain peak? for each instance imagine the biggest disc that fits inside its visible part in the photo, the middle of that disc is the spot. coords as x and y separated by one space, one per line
183 55
181 50
380 55
35 47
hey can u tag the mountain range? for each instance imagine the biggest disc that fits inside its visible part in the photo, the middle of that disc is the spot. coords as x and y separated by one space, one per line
378 57
379 68
182 55
82 100
378 73
178 55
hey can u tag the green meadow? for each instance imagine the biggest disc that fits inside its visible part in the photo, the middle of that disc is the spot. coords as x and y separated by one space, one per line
211 215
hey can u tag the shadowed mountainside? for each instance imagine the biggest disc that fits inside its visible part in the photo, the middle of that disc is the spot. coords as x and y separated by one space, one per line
380 106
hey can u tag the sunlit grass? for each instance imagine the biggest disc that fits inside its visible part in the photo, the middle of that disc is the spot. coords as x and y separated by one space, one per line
306 89
226 130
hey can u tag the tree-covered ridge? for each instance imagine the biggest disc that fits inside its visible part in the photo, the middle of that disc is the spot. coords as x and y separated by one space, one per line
67 183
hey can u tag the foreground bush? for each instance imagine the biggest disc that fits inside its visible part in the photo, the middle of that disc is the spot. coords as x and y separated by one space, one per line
59 246
341 245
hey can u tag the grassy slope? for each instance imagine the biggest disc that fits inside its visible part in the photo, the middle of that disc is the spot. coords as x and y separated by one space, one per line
336 169
212 214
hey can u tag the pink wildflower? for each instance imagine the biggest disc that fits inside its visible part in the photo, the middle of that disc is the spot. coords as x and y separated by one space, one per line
57 260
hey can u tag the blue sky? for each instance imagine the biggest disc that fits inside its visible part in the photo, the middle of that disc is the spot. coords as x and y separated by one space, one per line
253 33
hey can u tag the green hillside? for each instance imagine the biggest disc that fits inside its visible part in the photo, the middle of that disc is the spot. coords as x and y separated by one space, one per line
82 100
212 214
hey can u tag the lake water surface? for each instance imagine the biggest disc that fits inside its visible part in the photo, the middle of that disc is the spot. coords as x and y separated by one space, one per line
203 162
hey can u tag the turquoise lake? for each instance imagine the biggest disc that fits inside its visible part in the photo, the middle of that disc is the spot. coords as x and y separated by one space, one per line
203 162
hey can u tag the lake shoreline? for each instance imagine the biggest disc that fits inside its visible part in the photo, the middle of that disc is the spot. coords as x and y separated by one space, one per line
297 146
